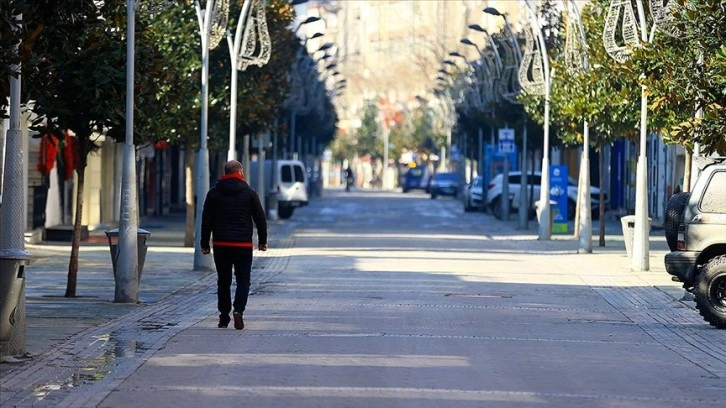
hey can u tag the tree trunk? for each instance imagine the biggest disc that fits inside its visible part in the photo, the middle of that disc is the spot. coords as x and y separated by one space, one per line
76 242
601 182
687 171
189 196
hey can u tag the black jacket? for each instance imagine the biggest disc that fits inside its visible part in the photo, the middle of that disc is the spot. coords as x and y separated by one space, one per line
229 210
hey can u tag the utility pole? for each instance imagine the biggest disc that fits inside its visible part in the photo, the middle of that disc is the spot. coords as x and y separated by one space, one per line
127 258
620 34
13 257
212 28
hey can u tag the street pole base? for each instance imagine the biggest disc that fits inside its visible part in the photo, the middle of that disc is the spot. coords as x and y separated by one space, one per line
15 359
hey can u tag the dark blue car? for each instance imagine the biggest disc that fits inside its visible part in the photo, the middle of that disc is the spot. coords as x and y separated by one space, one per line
445 183
416 178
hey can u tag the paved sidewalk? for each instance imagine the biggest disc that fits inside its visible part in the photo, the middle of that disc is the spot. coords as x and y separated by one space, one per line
82 348
51 317
75 341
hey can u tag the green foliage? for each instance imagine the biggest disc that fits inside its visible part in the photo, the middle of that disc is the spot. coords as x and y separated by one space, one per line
261 91
426 138
18 40
320 123
168 76
687 72
344 146
425 135
78 84
413 133
400 140
82 83
368 134
607 95
553 26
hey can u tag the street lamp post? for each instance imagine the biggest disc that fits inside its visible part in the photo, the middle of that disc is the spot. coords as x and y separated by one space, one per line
576 61
509 88
447 110
127 262
234 46
127 259
212 27
12 223
620 19
473 99
251 48
296 101
293 101
535 78
480 131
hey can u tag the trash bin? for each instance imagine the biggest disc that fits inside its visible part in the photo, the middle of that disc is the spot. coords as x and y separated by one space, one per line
553 209
628 224
141 237
12 276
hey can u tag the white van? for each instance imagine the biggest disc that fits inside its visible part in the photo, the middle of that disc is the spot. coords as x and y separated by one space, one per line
290 183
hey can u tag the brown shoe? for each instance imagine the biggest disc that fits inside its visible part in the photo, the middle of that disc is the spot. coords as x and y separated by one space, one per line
223 323
239 324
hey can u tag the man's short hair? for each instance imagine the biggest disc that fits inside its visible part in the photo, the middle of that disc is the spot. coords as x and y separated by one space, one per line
232 166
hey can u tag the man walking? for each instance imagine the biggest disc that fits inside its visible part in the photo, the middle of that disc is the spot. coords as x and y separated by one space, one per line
230 209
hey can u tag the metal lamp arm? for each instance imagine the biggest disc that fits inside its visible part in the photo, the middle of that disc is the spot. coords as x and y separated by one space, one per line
540 38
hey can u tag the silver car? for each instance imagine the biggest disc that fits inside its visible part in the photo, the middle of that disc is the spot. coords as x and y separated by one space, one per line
474 194
494 192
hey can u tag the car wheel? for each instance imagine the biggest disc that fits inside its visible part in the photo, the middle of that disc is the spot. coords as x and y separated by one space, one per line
710 292
571 209
433 196
467 206
496 208
674 216
285 212
532 213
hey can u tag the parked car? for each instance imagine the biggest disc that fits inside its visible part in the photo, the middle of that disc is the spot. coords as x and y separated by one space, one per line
445 183
474 194
695 230
494 192
290 182
416 178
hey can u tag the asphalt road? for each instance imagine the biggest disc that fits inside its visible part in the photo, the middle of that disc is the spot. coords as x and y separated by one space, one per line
393 300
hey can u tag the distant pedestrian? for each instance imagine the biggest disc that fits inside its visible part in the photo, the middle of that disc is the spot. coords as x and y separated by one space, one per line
230 209
349 177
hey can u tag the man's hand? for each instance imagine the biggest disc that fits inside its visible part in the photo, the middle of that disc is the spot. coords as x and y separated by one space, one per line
205 251
263 247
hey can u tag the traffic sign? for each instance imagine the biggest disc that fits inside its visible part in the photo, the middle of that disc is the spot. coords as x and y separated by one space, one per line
506 140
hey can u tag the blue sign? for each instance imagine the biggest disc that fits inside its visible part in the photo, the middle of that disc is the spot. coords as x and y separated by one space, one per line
506 141
494 162
558 193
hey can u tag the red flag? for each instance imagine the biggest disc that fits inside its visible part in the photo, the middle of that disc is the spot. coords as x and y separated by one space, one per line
47 154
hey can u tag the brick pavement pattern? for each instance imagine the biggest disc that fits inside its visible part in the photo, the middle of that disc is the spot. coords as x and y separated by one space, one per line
84 369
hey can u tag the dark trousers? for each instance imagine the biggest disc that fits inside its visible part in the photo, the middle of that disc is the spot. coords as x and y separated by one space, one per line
226 258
